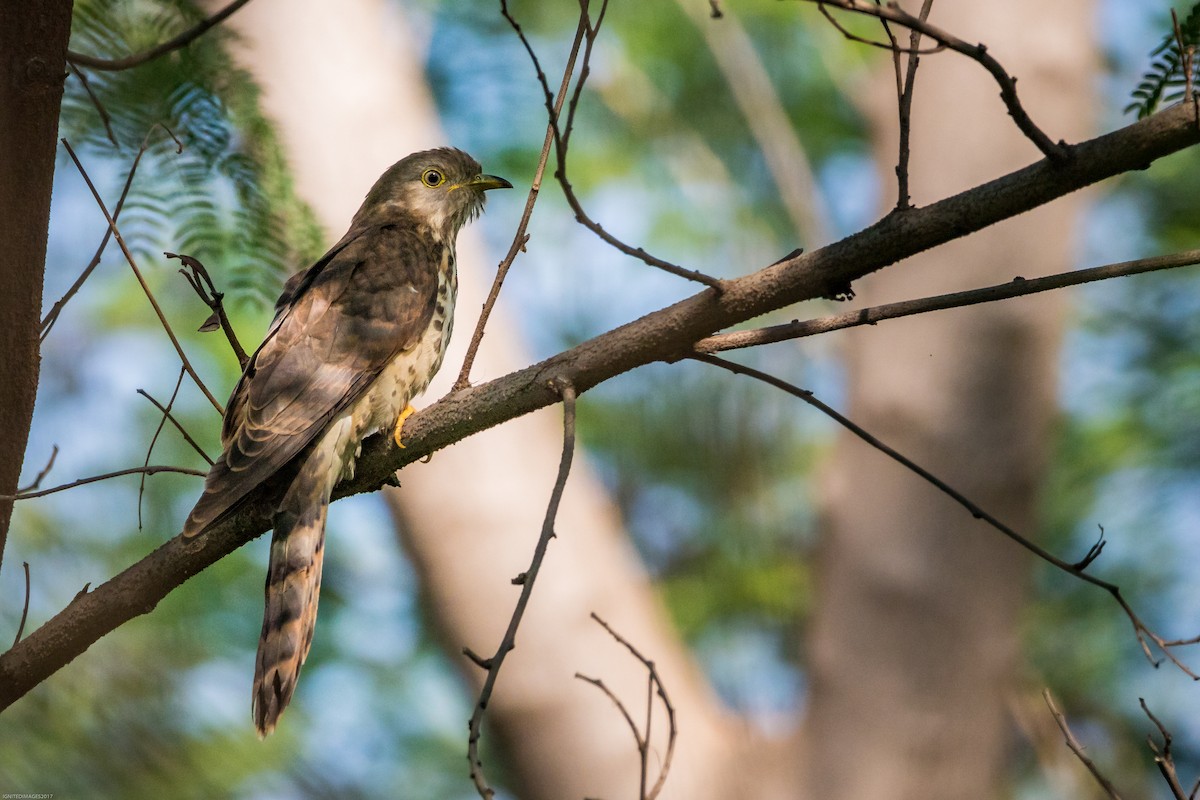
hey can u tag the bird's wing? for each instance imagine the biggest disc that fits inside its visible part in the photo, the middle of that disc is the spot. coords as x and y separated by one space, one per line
347 317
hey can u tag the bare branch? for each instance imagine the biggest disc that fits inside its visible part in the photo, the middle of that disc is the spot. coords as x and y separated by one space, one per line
655 687
1145 636
203 285
1078 749
1017 287
562 138
154 439
891 11
1163 758
24 608
105 120
112 224
520 238
664 335
633 728
37 481
891 45
905 107
52 315
178 426
82 481
566 390
182 40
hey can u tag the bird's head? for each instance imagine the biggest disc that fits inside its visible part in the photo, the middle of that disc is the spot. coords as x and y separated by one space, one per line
443 188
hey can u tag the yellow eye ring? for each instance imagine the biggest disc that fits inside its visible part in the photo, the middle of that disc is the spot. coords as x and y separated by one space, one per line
433 178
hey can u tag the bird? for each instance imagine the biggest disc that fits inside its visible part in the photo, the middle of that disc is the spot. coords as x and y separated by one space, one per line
355 338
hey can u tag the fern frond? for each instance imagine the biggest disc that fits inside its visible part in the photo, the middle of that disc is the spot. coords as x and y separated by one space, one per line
1163 81
228 198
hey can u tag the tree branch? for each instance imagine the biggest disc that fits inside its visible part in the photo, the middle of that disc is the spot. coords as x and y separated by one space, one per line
202 284
655 687
520 238
54 312
525 580
562 140
25 607
1017 287
96 478
179 427
664 335
1163 757
162 318
1078 749
137 59
891 11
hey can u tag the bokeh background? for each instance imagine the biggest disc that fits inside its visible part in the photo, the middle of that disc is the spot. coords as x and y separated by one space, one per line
717 481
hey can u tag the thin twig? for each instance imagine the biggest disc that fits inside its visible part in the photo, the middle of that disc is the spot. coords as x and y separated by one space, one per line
1078 749
52 315
175 43
633 728
24 608
141 280
892 11
1018 287
131 471
1162 755
100 109
655 687
178 426
891 45
203 285
905 109
520 238
37 481
154 439
562 137
1145 636
566 391
645 750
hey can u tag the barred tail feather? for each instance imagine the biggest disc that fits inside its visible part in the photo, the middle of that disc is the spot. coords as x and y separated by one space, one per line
294 581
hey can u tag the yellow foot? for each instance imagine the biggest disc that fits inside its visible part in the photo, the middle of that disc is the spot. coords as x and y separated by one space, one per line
405 414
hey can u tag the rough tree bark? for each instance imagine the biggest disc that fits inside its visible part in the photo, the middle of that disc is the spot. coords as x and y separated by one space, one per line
914 644
33 47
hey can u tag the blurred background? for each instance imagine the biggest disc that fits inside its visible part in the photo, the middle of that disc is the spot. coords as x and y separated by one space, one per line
827 626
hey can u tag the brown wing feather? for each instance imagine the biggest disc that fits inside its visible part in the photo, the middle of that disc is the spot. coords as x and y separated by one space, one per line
369 299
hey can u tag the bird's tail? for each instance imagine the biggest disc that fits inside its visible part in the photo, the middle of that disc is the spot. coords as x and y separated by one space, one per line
294 581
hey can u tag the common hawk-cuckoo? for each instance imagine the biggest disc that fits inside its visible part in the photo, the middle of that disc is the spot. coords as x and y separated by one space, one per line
355 337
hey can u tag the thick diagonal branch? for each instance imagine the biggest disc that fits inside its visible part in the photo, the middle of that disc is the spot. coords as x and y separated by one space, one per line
664 335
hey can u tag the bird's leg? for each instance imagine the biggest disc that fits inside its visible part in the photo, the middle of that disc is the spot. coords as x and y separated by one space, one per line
405 414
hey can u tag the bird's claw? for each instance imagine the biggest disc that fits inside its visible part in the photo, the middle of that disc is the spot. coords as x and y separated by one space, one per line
405 414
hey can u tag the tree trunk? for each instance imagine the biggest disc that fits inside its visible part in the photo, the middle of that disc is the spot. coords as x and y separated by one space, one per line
471 515
33 47
914 644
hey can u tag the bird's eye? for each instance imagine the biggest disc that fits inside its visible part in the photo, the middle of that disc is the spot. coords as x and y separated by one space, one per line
433 177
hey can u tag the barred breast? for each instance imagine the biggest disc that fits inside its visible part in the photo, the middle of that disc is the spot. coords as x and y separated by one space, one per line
411 371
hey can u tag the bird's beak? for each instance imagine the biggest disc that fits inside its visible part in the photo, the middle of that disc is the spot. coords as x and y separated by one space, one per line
485 182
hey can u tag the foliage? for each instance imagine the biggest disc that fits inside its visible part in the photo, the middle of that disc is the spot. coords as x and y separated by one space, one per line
1165 81
227 198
